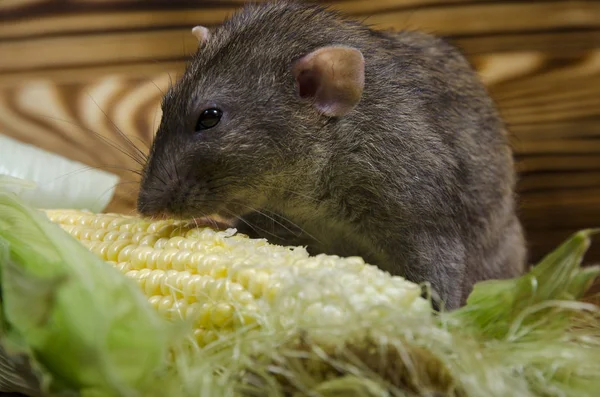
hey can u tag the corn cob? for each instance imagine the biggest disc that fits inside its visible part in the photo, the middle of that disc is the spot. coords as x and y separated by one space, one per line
220 281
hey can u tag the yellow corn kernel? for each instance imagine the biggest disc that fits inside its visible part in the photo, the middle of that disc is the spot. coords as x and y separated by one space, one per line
220 281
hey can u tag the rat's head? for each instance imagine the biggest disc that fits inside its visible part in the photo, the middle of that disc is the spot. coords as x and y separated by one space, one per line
248 114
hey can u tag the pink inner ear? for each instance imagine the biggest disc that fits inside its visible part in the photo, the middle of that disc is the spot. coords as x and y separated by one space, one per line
308 84
332 77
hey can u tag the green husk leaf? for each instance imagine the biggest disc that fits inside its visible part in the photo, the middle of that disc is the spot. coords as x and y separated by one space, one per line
85 324
495 307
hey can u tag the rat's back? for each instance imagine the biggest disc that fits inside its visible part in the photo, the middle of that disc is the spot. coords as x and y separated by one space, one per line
465 160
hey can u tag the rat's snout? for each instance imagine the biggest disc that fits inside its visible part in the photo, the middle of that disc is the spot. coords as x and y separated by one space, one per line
165 198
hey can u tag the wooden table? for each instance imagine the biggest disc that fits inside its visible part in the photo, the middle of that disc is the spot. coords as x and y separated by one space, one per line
73 71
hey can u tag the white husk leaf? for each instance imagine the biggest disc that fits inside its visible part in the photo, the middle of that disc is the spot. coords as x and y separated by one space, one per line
46 180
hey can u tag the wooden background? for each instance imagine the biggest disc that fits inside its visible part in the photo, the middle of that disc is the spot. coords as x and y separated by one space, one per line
72 70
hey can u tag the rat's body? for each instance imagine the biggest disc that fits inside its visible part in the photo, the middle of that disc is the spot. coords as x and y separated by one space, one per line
413 172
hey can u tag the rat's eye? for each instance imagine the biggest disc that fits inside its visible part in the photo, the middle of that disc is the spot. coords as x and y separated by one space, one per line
208 119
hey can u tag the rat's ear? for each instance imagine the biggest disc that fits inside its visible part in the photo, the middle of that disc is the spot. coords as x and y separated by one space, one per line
333 77
201 33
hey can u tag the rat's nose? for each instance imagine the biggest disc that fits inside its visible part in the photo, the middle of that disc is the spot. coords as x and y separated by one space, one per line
166 201
149 205
153 200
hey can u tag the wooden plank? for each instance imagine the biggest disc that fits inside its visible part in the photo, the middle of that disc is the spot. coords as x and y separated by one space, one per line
94 49
494 17
124 45
558 180
564 42
550 72
561 147
88 73
558 163
588 127
75 24
20 8
77 16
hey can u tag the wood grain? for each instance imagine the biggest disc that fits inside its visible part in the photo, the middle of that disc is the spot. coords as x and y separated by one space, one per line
109 38
78 75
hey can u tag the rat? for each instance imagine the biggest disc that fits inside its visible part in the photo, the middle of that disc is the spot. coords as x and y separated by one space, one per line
306 127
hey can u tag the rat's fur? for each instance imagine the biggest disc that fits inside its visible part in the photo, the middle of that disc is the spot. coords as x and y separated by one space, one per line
418 178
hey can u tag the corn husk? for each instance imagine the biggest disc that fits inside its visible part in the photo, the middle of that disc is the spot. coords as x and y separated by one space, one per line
529 336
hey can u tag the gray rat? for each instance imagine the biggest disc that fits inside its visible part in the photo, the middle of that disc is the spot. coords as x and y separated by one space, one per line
311 129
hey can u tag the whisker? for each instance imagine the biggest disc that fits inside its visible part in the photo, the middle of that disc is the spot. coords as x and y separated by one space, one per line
139 152
160 180
84 169
286 190
270 217
219 186
132 212
108 191
302 230
153 189
126 183
143 142
253 227
210 220
154 121
183 45
102 137
121 168
163 164
176 170
222 182
159 162
157 87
